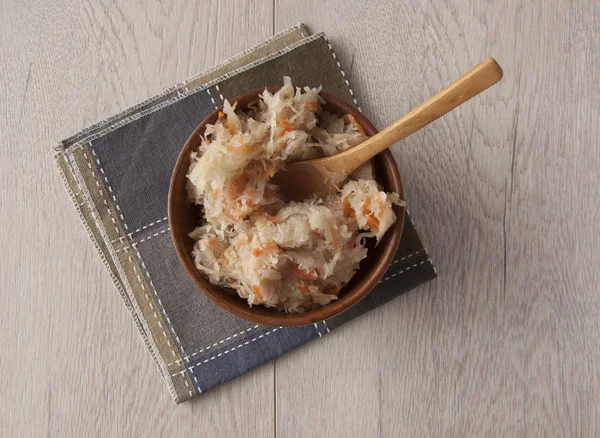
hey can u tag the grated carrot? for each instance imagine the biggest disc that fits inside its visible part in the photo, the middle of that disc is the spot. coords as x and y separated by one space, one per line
264 247
371 219
349 118
221 115
256 291
270 218
373 223
300 273
287 127
275 219
314 106
348 211
230 126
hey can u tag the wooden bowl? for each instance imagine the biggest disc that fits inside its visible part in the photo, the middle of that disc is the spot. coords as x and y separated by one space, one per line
184 216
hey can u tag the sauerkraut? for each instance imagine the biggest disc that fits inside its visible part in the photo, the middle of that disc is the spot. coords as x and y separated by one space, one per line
294 256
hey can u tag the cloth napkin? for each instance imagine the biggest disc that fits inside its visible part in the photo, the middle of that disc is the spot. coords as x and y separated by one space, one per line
117 173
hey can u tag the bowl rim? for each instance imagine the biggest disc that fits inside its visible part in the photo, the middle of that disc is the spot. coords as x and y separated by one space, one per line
280 318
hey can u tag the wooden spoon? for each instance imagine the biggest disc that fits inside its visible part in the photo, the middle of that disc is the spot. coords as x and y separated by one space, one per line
301 180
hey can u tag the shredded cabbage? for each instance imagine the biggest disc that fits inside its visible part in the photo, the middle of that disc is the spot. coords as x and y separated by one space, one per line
294 256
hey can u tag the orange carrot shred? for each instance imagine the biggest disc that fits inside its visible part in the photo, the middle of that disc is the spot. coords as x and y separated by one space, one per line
352 120
264 247
270 218
287 127
230 126
348 211
373 223
221 115
256 291
314 106
275 219
300 273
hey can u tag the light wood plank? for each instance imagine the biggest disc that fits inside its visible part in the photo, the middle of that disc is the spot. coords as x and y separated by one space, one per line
554 206
504 191
505 341
71 360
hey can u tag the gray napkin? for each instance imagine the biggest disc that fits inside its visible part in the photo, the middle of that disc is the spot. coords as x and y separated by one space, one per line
117 172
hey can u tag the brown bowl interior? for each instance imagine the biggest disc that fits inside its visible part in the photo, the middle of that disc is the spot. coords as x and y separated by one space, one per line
184 217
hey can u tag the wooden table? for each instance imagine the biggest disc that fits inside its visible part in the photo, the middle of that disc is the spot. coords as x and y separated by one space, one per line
505 191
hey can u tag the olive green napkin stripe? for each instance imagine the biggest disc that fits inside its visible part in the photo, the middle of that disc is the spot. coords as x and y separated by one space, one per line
84 212
131 269
273 44
144 292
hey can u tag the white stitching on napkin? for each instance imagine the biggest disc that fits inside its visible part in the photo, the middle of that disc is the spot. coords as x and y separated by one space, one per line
160 305
162 308
135 244
220 95
187 358
139 279
98 185
187 385
406 269
108 186
132 305
216 356
393 263
407 257
197 383
343 73
424 248
317 329
151 224
190 368
212 99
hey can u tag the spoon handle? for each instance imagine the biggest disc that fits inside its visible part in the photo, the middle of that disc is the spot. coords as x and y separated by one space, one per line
476 80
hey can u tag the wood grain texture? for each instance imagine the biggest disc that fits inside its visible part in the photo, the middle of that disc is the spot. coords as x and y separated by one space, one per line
504 190
72 362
